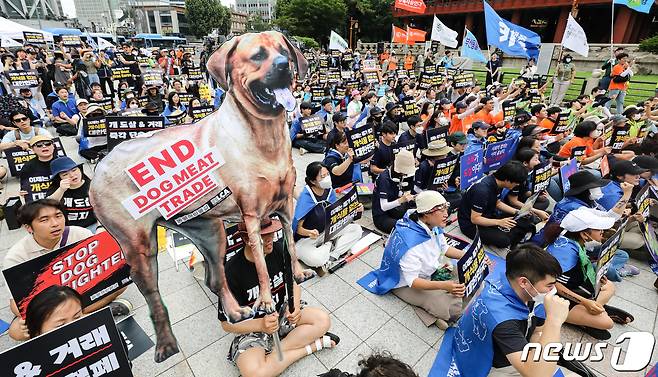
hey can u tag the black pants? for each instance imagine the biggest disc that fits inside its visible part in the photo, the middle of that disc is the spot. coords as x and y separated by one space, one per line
454 198
92 153
386 221
105 83
311 145
494 236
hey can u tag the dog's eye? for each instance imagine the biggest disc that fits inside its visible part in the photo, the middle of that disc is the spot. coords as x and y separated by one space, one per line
260 55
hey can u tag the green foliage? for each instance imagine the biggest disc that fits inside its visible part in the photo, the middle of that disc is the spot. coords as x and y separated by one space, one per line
207 15
650 44
308 42
375 19
311 18
256 24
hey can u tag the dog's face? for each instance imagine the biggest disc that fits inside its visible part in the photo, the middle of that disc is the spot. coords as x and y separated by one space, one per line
257 67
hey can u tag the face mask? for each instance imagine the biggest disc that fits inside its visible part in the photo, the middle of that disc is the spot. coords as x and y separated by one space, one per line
419 129
592 245
539 298
637 116
595 134
325 183
595 193
567 60
134 106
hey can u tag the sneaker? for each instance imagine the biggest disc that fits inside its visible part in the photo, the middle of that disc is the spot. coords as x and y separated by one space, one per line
628 270
302 151
120 307
441 324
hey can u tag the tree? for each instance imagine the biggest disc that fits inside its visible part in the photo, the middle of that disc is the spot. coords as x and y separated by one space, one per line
375 19
311 18
650 44
256 24
207 15
308 42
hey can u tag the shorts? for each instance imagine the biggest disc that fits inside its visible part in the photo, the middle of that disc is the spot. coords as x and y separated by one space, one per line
262 340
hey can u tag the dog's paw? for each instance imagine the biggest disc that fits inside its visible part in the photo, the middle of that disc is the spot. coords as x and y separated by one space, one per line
165 349
304 276
243 313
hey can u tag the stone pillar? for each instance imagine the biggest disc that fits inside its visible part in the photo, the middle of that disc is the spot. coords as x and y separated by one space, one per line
561 24
623 16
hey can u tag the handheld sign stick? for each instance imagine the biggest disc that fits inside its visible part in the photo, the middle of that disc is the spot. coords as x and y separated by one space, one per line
342 262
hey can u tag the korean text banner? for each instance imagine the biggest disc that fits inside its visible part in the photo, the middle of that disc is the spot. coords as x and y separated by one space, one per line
510 38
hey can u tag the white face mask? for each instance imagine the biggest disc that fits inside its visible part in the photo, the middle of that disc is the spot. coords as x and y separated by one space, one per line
595 134
325 182
637 116
134 106
539 298
592 245
595 193
419 129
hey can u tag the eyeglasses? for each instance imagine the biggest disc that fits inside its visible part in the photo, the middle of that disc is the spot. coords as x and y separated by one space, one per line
43 144
18 120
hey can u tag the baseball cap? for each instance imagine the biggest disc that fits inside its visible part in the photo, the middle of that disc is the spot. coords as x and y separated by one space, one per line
647 162
355 92
626 167
522 117
533 130
457 138
338 117
428 200
391 105
80 100
445 101
62 164
586 218
376 110
478 124
39 138
306 105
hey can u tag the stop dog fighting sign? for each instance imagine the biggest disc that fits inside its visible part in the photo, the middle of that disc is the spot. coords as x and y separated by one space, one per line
172 178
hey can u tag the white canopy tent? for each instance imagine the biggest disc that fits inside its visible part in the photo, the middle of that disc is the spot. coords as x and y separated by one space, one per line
14 30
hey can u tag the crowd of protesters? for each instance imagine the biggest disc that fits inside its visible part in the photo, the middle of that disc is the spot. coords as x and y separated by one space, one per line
548 253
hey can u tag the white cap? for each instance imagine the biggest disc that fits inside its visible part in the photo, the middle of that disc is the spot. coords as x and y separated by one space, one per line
428 200
586 218
80 100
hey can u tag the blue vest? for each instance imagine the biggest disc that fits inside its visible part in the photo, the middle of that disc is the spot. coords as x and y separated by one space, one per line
407 234
612 192
566 251
564 206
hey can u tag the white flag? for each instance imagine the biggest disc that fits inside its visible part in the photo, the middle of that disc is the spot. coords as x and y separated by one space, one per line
574 37
444 34
8 42
336 42
103 44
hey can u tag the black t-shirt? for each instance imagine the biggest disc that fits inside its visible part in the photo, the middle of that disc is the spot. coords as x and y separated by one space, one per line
315 218
482 198
77 205
383 157
331 161
406 136
452 182
242 279
423 175
385 188
511 336
35 179
134 68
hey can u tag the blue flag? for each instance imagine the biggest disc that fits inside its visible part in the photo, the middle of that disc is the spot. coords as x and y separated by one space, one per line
643 6
471 48
510 38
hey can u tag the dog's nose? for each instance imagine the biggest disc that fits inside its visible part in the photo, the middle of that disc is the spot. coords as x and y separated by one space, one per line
281 63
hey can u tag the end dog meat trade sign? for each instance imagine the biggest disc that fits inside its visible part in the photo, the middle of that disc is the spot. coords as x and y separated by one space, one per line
172 178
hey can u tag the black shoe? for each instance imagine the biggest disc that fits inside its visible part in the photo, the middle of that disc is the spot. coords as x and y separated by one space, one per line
596 333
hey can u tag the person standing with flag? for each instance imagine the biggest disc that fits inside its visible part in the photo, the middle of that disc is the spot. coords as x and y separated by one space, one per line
494 70
620 76
564 74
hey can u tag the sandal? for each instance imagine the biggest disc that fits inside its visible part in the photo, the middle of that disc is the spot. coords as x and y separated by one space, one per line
324 342
618 315
596 333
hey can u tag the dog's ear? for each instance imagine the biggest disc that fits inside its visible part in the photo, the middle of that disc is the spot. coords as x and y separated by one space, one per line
219 63
301 64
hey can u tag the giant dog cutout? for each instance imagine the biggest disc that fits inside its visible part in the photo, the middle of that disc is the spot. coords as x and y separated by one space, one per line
250 133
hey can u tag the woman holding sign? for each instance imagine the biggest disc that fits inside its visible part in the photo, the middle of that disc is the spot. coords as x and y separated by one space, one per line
310 220
588 308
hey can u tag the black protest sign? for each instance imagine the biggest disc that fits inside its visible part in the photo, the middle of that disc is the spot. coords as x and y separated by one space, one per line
89 346
333 77
95 267
312 125
429 68
335 53
201 112
619 136
322 77
134 337
120 128
23 79
437 79
177 117
185 98
345 75
106 104
317 94
33 37
432 134
340 213
194 73
463 80
472 267
371 77
152 77
410 107
143 101
17 157
608 250
36 187
94 126
434 46
509 109
643 200
579 153
71 41
607 133
189 49
324 63
535 99
650 239
541 176
456 242
443 170
408 145
362 140
561 124
401 73
143 60
534 84
121 73
426 80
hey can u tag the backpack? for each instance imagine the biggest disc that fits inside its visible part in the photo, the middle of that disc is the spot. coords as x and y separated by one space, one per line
621 79
17 133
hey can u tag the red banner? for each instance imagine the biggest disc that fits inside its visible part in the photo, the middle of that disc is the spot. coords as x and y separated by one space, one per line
415 35
416 6
399 35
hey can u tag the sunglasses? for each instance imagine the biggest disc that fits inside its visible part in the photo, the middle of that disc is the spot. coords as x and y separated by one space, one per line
18 120
43 144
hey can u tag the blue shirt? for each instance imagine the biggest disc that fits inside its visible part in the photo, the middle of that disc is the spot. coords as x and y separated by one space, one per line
67 107
612 192
475 144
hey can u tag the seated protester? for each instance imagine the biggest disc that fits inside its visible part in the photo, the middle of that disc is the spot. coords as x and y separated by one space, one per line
505 306
339 160
90 146
462 111
70 186
480 205
625 172
414 265
584 191
499 132
24 131
478 139
375 120
413 133
45 221
132 108
376 365
50 309
153 96
151 109
36 172
306 143
383 156
637 122
194 103
436 150
305 329
309 221
517 196
326 112
619 122
584 229
587 134
552 115
338 120
453 195
173 104
521 121
392 195
394 115
65 113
